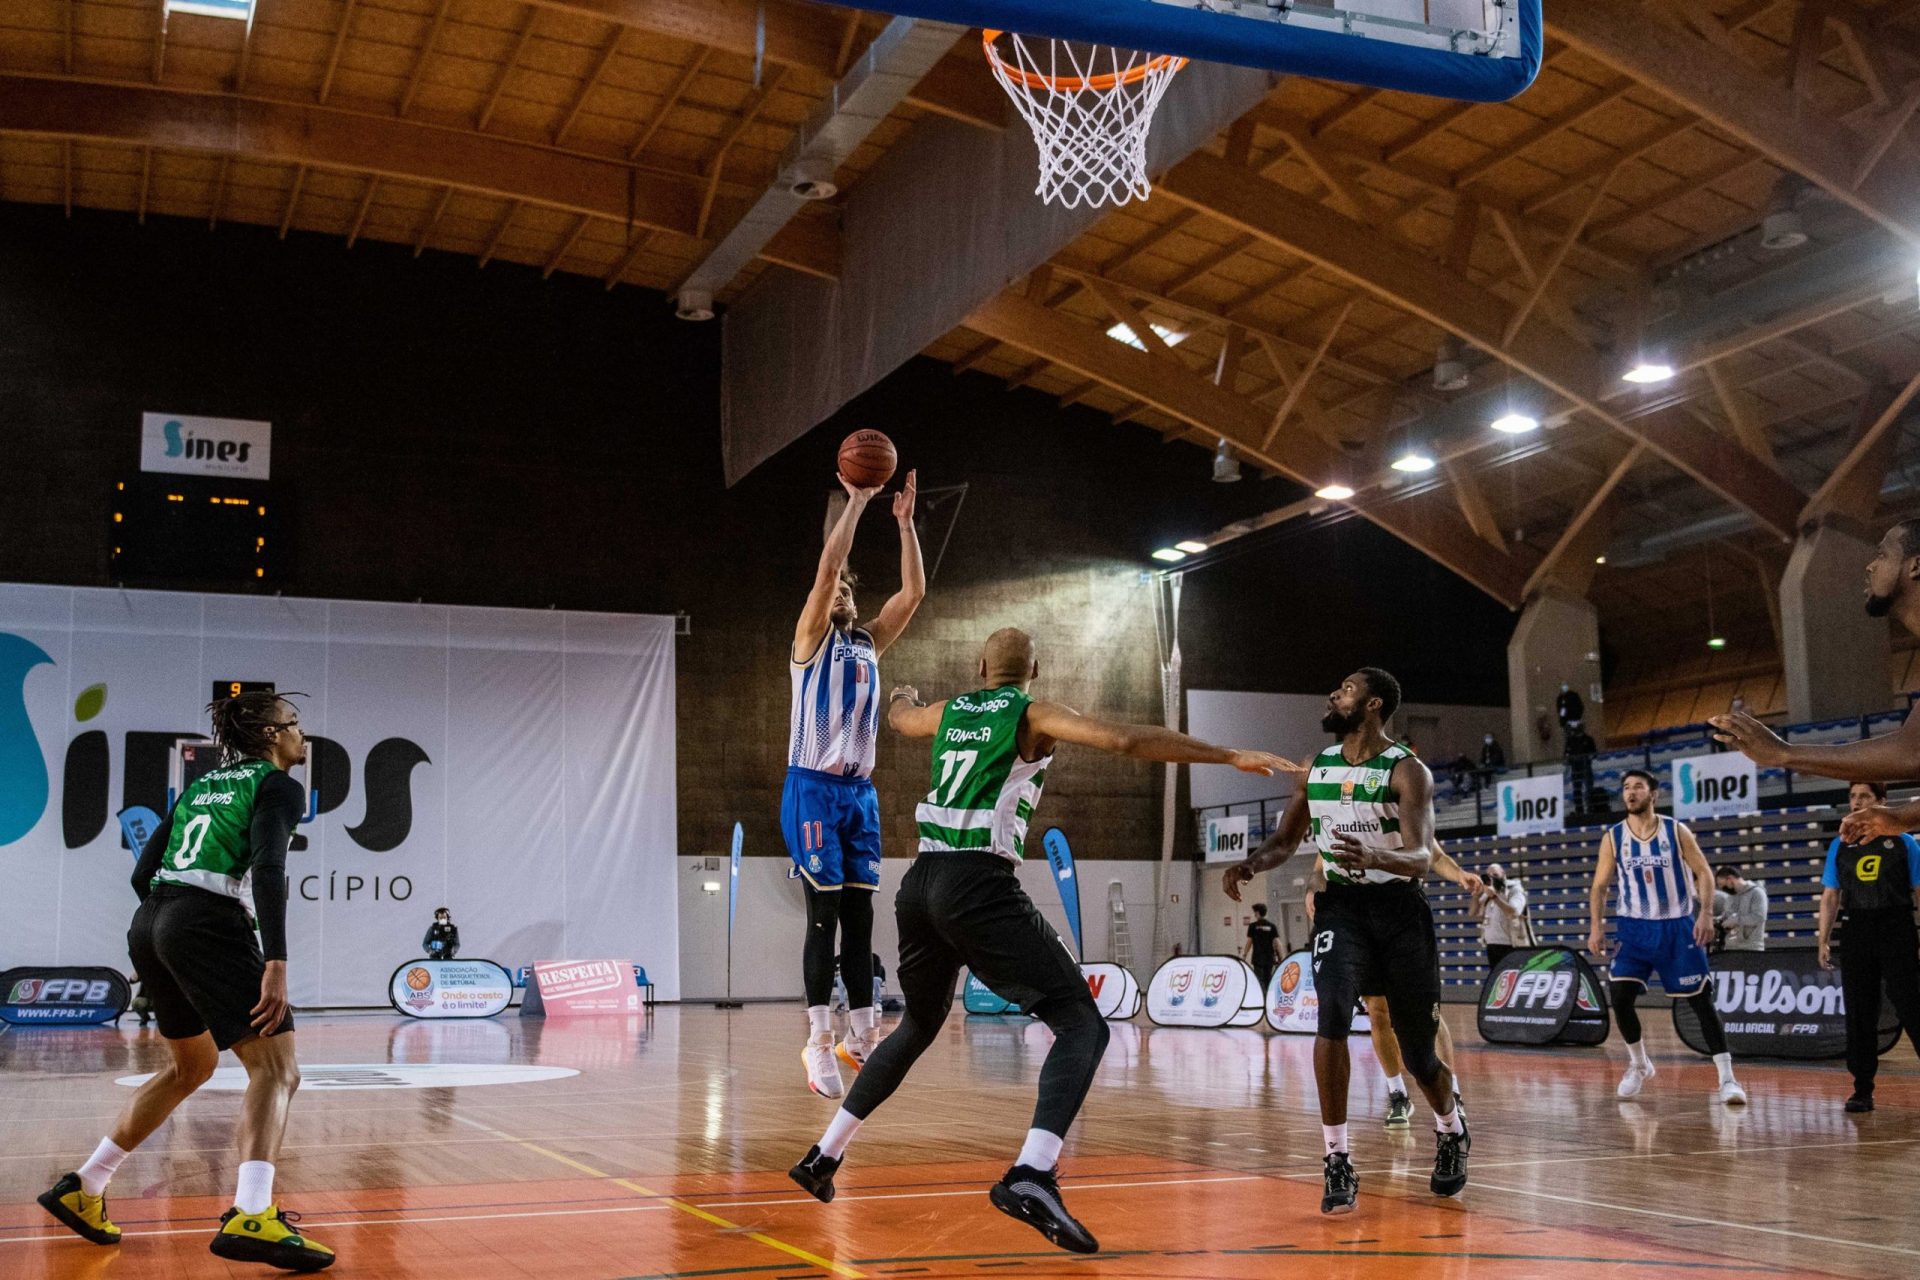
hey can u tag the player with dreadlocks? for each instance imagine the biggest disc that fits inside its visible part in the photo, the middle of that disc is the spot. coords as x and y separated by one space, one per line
213 986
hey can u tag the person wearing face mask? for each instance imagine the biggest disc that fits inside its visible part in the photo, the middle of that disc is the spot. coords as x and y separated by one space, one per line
443 936
1502 908
1569 706
1493 758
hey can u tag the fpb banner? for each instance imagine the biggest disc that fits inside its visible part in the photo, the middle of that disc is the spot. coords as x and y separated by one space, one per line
1543 995
62 997
1532 806
1724 785
450 989
1060 858
1205 991
1227 838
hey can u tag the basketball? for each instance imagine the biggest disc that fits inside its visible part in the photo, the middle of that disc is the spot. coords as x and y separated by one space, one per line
867 459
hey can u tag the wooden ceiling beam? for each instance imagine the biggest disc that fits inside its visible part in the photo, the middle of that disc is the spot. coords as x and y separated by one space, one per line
219 192
571 239
433 220
417 76
1409 279
360 214
669 100
1740 101
405 150
1473 504
1194 399
607 54
507 69
333 53
1570 537
1746 428
1843 486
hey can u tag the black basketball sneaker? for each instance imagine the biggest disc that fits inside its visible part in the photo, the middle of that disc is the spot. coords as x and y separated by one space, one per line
1342 1187
815 1173
1033 1196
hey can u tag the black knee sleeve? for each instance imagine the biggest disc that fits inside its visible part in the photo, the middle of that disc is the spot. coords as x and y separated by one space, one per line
823 930
856 946
1624 1013
1701 1002
1416 1029
1080 1037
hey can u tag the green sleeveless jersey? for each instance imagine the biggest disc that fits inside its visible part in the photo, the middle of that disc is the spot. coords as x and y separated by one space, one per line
1357 801
212 846
983 792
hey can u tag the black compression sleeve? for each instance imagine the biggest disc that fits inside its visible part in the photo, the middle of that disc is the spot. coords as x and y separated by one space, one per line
277 809
150 857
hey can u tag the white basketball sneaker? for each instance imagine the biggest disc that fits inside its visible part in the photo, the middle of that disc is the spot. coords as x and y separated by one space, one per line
1732 1094
1636 1076
854 1049
823 1072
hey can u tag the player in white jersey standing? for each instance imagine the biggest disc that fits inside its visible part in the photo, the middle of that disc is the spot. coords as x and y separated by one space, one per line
829 812
1665 922
1368 804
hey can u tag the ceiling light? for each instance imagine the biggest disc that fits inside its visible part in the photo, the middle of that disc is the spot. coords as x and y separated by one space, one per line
1226 467
694 304
1781 227
242 9
1415 459
1717 642
1599 559
1335 492
1191 547
1646 372
1123 332
1450 372
1515 424
1170 555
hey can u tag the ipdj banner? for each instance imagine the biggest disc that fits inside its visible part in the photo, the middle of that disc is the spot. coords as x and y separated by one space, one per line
1779 1004
1293 1003
1724 785
1532 806
515 765
232 448
569 988
1205 991
1543 995
1227 838
62 997
450 989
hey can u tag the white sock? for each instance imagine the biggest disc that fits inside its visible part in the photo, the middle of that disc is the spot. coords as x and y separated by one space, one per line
1396 1084
256 1187
862 1021
1448 1123
819 1020
840 1131
1637 1055
1723 1062
1456 1076
100 1167
1041 1150
1336 1136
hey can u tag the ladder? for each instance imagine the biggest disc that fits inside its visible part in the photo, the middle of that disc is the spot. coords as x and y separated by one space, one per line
1119 939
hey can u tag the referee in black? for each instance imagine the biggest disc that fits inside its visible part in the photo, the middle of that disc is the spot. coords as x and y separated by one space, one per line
1874 887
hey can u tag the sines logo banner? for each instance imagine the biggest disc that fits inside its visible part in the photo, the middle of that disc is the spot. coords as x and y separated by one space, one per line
1723 785
450 989
232 448
1227 838
1532 806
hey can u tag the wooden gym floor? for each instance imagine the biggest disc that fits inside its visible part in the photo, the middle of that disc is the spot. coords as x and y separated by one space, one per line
1197 1157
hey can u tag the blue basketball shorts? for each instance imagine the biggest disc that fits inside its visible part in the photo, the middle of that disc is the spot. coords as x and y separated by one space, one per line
1663 946
832 829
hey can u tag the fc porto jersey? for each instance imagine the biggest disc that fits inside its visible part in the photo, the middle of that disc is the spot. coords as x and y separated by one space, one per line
1654 881
835 723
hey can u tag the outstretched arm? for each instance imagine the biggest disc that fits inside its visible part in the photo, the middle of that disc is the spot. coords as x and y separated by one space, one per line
898 611
817 616
1145 741
1275 849
909 718
1447 868
1891 757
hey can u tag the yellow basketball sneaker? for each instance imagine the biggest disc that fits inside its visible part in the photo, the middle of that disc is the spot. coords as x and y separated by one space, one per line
78 1212
270 1237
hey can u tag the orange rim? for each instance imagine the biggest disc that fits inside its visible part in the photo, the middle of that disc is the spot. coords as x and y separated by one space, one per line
1074 84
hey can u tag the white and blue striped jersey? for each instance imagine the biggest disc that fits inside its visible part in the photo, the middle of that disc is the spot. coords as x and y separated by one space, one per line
1653 878
835 723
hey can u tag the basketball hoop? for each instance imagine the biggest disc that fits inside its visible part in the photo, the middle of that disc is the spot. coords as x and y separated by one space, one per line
1089 107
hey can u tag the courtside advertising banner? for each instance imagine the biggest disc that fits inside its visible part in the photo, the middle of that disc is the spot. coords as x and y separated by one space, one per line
1723 785
450 989
515 765
977 997
1115 992
567 988
1227 838
1060 859
75 997
1779 1004
1532 806
230 448
1292 1003
1543 995
1205 991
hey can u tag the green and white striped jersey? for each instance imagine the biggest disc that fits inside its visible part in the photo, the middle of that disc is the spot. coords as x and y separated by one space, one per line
984 792
1358 801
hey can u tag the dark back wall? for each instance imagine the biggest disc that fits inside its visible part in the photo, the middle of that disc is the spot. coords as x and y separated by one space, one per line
476 436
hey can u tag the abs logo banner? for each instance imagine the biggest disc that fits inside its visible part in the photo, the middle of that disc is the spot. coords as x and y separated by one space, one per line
79 997
1543 995
1532 806
1780 1004
232 448
1292 1003
1205 991
1227 838
450 989
1723 785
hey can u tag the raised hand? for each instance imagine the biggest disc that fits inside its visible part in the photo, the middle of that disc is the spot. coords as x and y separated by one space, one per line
857 496
1266 763
903 501
1870 823
1750 738
1235 876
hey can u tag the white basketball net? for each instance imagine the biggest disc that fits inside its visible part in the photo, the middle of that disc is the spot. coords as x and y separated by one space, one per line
1089 107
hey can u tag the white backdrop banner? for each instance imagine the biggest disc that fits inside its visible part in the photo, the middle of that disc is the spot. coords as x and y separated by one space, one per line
516 766
1725 785
1532 806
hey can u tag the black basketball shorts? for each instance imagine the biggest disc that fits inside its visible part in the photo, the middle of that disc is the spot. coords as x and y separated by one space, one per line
199 963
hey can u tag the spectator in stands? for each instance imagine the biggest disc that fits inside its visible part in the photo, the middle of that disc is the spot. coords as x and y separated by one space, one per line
1262 947
1739 908
1874 885
1492 760
1569 707
1501 907
443 936
1579 757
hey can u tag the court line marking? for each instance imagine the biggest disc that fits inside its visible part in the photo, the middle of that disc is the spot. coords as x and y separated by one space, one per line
1704 1222
363 1222
758 1237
